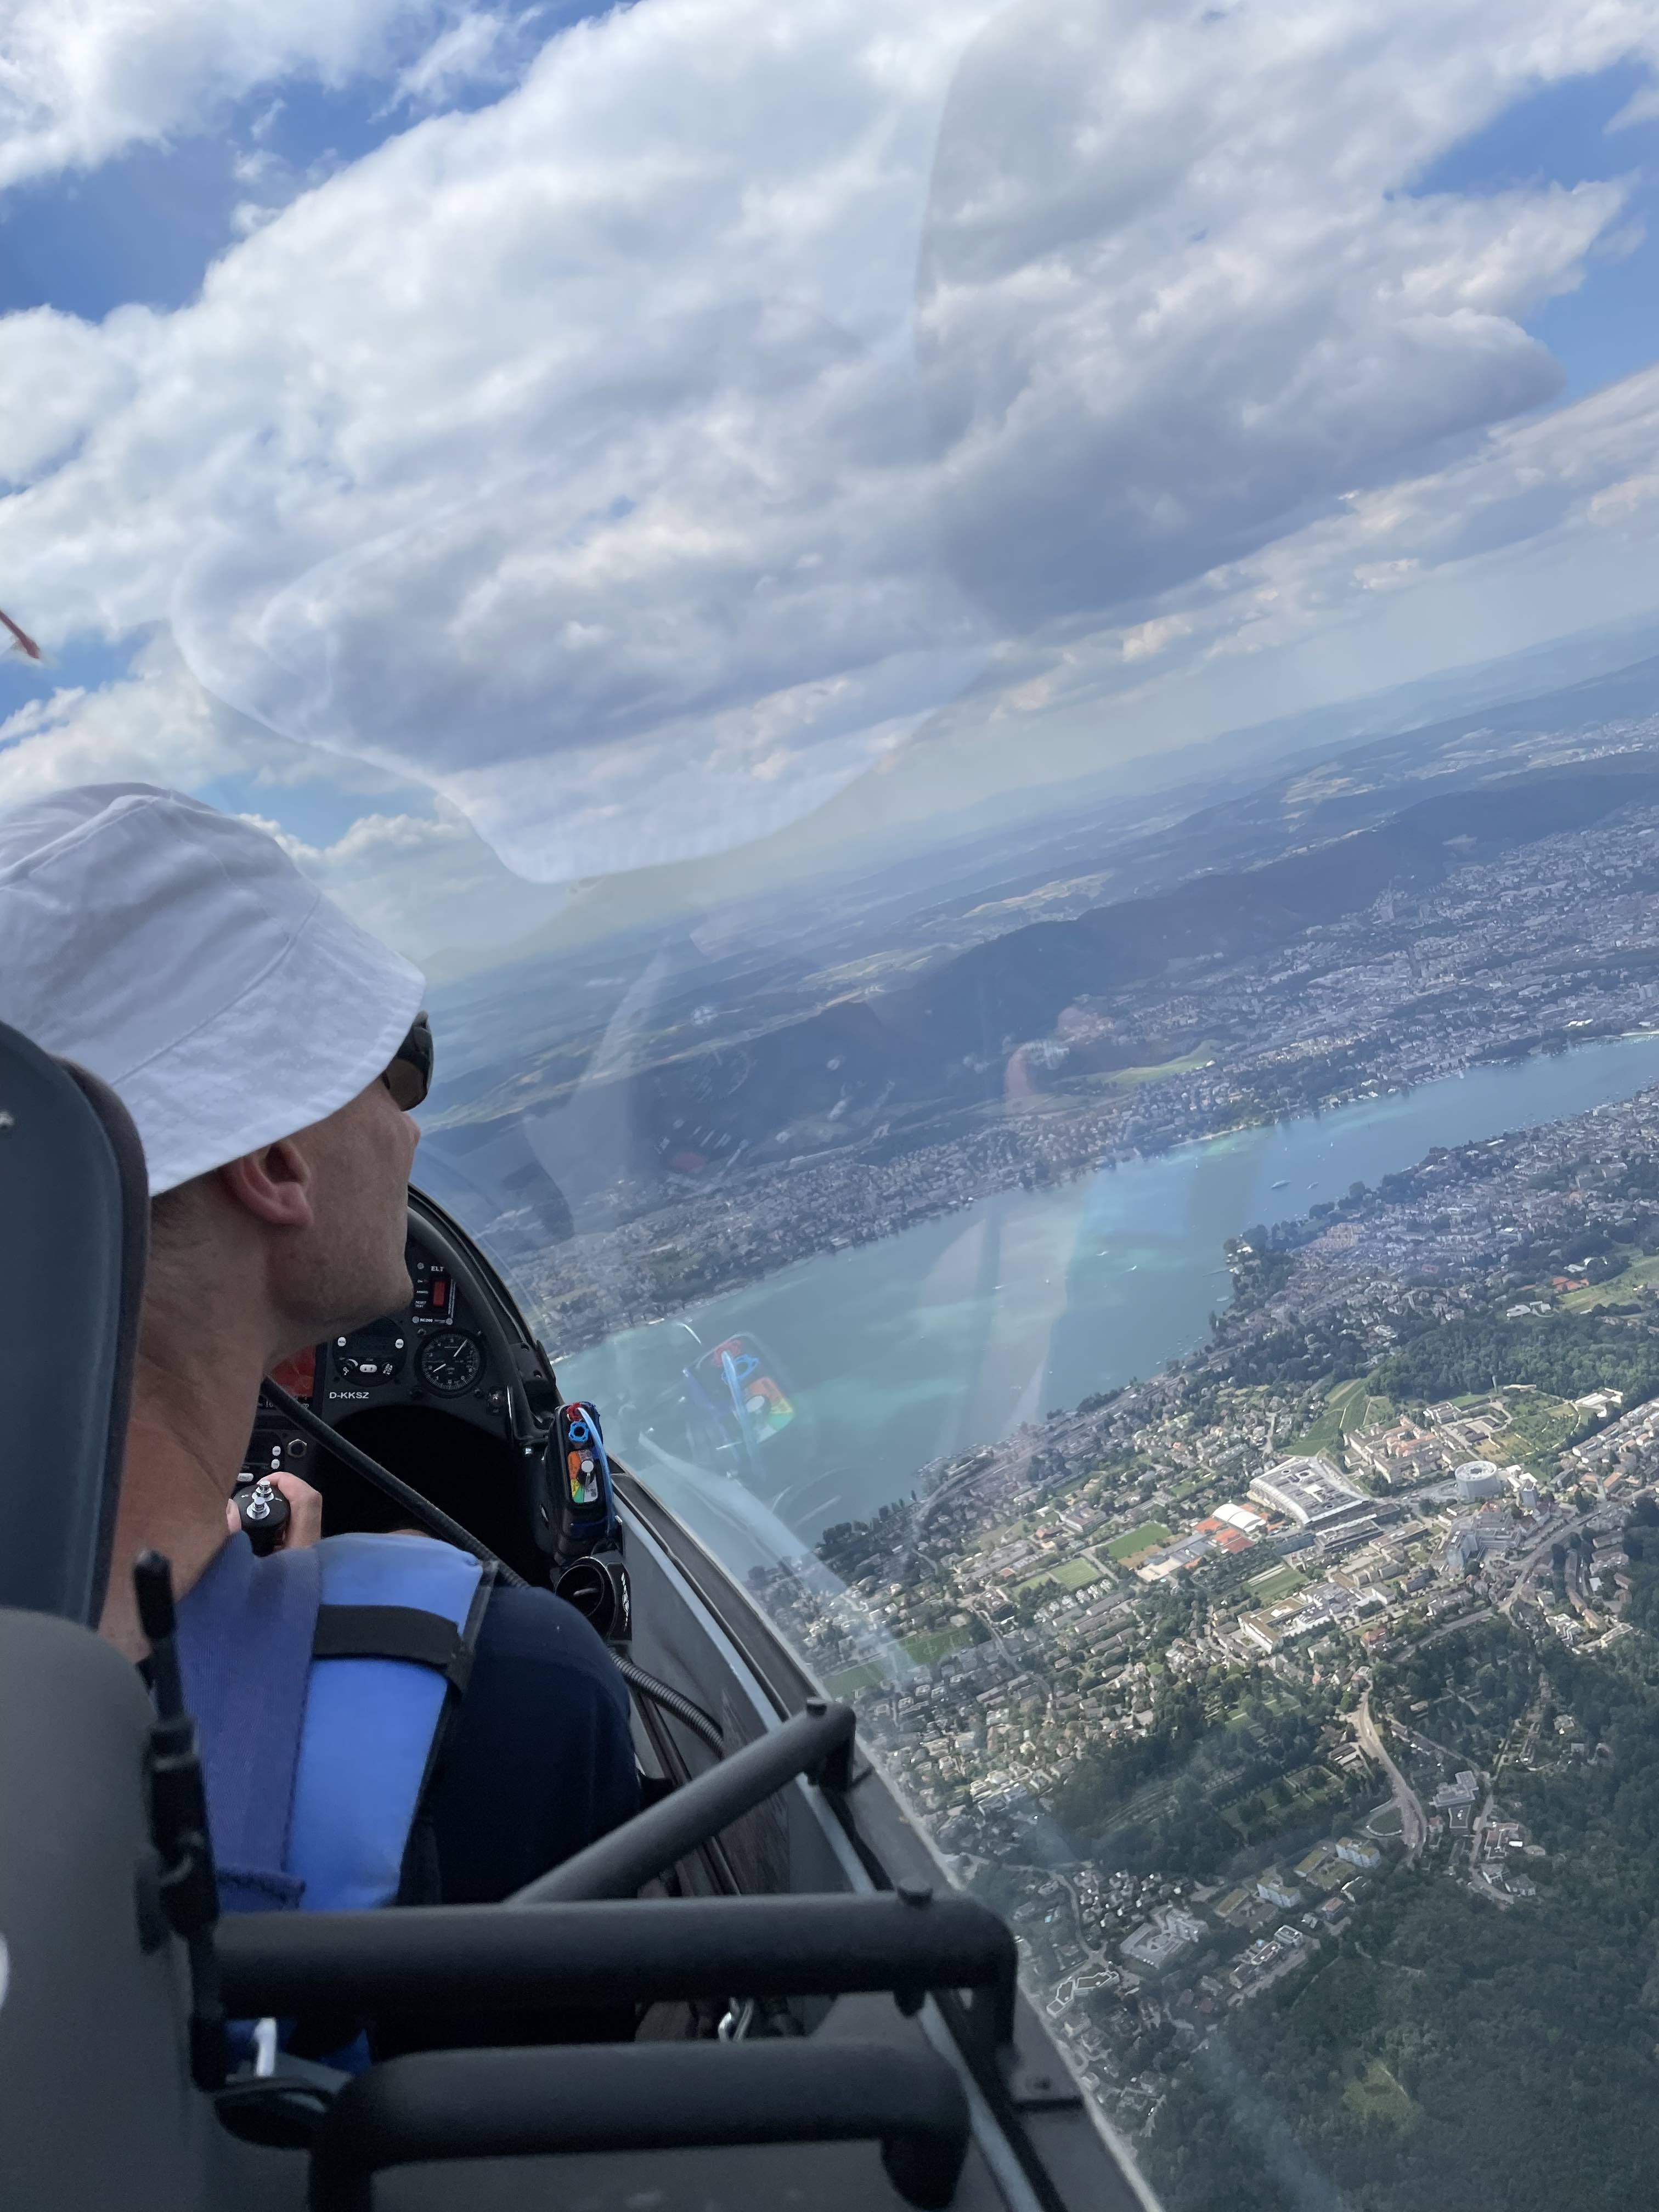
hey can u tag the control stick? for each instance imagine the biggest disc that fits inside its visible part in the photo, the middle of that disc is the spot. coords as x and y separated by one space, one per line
264 1513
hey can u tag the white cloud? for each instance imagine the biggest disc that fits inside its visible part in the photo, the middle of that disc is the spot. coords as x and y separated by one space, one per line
426 883
480 50
567 458
59 376
157 725
1199 300
84 79
1548 526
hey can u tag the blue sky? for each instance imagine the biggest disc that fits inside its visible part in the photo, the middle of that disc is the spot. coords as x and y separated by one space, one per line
145 226
1610 326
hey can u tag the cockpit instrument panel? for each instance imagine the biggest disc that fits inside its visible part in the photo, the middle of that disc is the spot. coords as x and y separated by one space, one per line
405 1388
433 1350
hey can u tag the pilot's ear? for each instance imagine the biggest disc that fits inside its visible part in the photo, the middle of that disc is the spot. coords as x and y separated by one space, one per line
273 1184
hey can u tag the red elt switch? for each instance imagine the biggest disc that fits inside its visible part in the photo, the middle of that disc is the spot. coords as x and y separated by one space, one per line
441 1294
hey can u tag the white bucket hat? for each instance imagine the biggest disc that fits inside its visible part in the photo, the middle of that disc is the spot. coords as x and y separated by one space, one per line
179 954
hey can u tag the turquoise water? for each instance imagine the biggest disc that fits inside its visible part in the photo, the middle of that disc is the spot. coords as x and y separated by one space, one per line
949 1334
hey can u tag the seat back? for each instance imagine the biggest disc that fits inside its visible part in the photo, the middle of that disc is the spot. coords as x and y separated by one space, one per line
97 2106
74 1223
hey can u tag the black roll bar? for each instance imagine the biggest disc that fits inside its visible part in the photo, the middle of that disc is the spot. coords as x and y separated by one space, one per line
475 1961
818 1743
634 2097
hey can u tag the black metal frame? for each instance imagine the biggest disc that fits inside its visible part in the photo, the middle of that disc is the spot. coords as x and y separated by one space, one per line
475 1962
632 2096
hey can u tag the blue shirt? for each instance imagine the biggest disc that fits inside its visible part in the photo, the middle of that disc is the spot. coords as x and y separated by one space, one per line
538 1759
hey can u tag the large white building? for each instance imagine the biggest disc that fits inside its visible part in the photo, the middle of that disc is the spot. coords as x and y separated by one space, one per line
1475 1479
1159 1942
1310 1492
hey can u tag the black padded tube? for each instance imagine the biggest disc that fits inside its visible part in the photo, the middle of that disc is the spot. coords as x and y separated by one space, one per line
816 1743
506 2103
471 1961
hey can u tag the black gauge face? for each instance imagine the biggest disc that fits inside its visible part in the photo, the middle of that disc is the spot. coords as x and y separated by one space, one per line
450 1362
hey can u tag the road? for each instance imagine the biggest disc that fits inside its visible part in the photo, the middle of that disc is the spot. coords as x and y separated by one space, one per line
1413 1825
1450 1627
1557 1533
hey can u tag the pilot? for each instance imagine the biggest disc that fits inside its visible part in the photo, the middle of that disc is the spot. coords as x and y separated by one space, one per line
267 1049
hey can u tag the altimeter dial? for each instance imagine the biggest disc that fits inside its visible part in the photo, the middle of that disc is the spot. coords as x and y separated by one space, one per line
450 1362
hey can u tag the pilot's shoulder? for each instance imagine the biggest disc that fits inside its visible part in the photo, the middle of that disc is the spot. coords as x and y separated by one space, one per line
531 1630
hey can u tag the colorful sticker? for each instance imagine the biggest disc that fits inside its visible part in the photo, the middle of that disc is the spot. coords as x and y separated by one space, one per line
583 1477
768 1409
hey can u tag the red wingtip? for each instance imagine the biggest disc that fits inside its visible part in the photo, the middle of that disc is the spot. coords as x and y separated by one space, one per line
21 636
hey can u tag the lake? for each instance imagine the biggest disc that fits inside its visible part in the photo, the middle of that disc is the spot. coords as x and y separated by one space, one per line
949 1334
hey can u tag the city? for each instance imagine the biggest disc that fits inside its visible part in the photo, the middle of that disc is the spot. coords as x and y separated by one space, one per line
1200 1682
1549 946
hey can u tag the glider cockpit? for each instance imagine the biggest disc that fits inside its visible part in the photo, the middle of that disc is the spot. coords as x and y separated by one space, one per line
761 1991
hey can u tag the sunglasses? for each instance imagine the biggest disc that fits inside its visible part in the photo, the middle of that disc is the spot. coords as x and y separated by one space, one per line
409 1078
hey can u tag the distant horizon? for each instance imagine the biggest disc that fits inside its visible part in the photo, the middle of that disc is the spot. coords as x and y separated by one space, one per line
810 853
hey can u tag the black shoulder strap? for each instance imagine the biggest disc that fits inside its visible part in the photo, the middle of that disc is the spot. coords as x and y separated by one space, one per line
420 1880
394 1632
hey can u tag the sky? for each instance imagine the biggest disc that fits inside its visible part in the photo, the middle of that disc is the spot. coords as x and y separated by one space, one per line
506 448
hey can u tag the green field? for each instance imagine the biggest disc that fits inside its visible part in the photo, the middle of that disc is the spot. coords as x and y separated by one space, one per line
1348 1411
1277 1582
923 1651
1641 1274
1375 2096
1539 1426
1188 1063
927 1649
1076 1574
1134 1541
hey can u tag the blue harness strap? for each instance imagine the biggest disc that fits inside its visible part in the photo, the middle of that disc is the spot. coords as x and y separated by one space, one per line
318 1679
371 1724
246 1632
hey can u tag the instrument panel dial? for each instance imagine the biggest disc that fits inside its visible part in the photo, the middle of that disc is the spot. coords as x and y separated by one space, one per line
450 1363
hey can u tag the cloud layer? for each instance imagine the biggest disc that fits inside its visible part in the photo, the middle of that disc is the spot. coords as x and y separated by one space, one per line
84 79
601 461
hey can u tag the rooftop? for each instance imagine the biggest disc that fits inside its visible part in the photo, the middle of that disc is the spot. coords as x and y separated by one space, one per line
1309 1492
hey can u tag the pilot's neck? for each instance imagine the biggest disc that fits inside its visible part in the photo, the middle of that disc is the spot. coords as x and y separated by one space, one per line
193 1404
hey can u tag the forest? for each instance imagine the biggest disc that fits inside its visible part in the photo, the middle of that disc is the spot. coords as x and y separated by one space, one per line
1155 1804
1450 2051
1563 1353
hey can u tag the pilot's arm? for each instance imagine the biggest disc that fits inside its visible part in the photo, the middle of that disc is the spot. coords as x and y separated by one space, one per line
539 1758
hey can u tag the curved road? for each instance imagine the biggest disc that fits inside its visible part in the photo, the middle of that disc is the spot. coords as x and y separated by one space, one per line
1552 1536
1413 1825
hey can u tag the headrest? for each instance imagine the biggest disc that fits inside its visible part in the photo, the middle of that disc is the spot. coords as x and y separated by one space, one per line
73 1234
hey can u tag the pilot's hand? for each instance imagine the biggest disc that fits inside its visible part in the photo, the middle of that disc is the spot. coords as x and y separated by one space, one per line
304 1513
